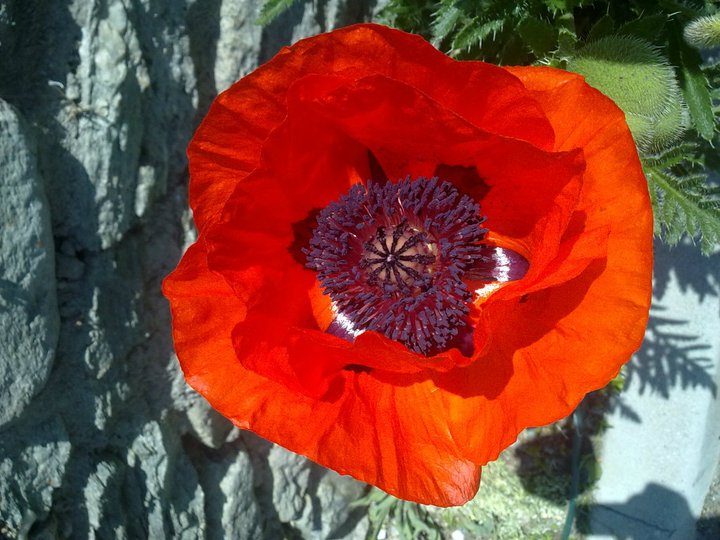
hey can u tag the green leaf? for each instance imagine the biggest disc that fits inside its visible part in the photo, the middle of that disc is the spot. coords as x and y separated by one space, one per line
444 22
473 34
539 35
271 9
673 156
695 86
647 27
412 520
465 37
567 37
681 8
685 205
513 51
556 5
412 16
563 5
604 26
559 5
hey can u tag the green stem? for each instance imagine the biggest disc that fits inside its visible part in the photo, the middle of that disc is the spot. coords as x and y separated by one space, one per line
575 464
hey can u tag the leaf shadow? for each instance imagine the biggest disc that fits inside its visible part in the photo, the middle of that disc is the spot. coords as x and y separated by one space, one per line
670 357
692 270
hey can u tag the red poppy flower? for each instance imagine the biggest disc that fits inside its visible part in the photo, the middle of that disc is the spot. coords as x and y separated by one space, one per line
404 260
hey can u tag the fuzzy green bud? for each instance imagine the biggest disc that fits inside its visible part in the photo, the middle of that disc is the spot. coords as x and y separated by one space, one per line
704 32
634 74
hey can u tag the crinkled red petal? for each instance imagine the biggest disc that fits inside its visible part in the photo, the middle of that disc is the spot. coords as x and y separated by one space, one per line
227 145
388 433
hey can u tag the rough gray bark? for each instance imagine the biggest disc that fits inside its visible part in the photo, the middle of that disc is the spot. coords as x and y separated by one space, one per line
99 435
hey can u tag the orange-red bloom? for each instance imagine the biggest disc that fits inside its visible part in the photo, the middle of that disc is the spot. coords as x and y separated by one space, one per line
554 168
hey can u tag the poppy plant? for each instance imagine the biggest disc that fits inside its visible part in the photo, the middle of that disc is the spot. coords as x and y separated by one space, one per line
404 260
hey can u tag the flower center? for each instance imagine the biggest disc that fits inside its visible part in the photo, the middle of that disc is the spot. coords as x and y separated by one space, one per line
399 257
392 257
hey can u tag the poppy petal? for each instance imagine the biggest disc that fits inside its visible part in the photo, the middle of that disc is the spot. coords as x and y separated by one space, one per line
409 456
614 293
227 145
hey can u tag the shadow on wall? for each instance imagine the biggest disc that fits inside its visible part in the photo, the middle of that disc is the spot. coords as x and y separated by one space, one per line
203 27
672 355
673 518
694 272
97 449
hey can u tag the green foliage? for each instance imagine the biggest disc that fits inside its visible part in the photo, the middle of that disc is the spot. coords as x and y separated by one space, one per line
505 506
273 8
649 28
604 26
482 29
685 202
474 32
444 22
410 520
416 16
694 84
539 35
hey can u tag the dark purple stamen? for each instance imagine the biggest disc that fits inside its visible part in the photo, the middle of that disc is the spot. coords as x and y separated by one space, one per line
392 256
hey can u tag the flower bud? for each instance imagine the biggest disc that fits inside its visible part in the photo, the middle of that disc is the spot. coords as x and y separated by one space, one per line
639 79
704 32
